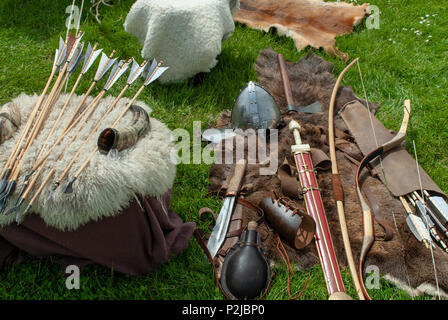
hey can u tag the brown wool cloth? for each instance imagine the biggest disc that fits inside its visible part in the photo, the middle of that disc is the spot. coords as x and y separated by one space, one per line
135 242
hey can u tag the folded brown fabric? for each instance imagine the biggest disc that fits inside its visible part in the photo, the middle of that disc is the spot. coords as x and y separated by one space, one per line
136 241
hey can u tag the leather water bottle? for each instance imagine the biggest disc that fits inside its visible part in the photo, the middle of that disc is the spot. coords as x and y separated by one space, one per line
245 273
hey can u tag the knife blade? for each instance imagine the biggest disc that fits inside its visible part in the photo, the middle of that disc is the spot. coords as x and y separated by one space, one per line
219 231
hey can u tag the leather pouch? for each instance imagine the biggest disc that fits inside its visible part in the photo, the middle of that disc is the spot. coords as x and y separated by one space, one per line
294 226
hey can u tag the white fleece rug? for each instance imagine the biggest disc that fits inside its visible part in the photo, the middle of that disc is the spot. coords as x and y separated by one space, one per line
185 35
110 182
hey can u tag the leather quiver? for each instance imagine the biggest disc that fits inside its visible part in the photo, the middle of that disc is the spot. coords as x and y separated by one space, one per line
294 226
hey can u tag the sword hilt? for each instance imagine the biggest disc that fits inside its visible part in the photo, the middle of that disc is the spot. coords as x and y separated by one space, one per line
295 128
235 182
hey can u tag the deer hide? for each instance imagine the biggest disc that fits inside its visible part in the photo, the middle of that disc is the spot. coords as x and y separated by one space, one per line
308 22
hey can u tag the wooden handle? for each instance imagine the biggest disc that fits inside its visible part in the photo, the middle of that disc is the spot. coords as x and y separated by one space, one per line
285 80
235 182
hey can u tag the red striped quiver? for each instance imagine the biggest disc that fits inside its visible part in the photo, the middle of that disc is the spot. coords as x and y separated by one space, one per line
316 210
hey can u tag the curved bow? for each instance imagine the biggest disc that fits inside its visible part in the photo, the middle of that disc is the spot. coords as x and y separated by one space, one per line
369 236
337 185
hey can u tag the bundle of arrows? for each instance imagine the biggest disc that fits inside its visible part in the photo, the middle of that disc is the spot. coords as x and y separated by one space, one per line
67 59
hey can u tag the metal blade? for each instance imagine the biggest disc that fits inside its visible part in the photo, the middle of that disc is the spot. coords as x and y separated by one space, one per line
219 231
76 59
135 72
312 108
156 75
116 73
69 187
412 227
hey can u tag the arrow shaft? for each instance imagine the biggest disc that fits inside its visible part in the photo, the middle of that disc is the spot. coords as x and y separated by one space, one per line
28 124
70 127
87 161
92 132
61 113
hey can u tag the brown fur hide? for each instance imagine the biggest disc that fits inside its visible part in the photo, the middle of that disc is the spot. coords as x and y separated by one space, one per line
308 22
401 260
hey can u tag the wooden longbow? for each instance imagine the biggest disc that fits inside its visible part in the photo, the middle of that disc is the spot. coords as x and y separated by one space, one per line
338 194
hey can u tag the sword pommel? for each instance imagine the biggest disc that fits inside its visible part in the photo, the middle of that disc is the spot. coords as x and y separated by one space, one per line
293 125
295 128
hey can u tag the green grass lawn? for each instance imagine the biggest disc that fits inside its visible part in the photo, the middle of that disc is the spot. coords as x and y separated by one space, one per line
397 63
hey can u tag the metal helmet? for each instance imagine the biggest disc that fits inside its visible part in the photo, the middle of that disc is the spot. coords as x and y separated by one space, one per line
255 108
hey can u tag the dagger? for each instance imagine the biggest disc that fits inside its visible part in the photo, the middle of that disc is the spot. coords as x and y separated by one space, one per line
219 231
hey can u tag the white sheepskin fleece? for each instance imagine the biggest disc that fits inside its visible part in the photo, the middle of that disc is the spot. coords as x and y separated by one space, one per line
185 35
109 183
